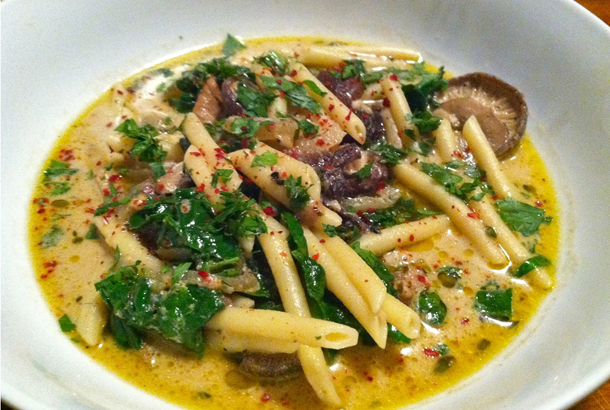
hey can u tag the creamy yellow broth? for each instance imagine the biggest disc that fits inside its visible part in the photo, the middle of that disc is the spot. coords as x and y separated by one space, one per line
364 376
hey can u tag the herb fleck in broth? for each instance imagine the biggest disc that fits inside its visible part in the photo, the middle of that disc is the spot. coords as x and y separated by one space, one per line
448 276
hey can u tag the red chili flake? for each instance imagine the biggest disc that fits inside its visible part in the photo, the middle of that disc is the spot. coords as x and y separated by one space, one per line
269 211
349 115
109 124
66 155
51 264
203 274
380 186
422 279
44 276
360 212
106 191
370 210
331 107
365 116
322 241
114 178
284 174
320 142
465 321
394 77
90 210
386 102
200 188
41 211
328 167
411 237
98 163
494 197
217 191
283 254
119 92
399 240
292 74
265 398
473 215
458 154
316 256
370 378
431 353
196 154
539 204
160 187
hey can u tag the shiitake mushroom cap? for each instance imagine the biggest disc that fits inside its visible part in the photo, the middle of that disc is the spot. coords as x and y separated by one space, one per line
499 108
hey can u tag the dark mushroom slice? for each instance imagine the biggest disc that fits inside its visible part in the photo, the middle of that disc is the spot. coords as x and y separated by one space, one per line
499 108
270 366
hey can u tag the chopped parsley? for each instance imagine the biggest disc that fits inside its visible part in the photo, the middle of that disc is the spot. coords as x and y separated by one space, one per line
389 153
58 168
111 201
521 217
314 88
224 175
297 193
453 183
254 102
264 160
65 324
52 236
364 172
295 93
146 147
274 61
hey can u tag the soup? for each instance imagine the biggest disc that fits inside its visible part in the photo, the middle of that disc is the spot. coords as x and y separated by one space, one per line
296 221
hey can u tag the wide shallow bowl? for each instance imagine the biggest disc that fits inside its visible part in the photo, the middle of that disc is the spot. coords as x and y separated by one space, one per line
57 57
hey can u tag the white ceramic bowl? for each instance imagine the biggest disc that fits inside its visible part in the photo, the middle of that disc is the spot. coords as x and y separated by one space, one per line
57 57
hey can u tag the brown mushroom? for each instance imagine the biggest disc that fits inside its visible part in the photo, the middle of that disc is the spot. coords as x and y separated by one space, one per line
270 366
499 108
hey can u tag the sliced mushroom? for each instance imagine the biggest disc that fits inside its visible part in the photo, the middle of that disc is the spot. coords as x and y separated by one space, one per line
270 366
499 108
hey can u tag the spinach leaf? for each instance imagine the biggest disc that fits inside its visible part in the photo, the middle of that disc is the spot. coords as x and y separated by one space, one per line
52 236
521 217
178 314
491 301
377 266
432 307
231 46
402 211
537 261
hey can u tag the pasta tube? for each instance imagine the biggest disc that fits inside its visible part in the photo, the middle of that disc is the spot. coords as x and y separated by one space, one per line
403 234
485 157
399 107
284 326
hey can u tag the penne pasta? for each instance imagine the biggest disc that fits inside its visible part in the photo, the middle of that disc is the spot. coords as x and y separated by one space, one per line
485 157
360 274
402 317
235 342
399 107
403 234
446 143
339 283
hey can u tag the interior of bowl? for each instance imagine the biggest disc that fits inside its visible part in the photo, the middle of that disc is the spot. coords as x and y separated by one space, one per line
58 57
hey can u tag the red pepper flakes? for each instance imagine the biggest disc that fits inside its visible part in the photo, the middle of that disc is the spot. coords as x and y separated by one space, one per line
431 353
114 178
458 154
283 254
539 204
292 74
328 167
370 378
269 211
386 103
44 276
41 211
380 186
349 115
200 188
394 77
360 212
316 256
320 142
217 191
98 163
411 238
109 124
265 398
90 210
331 107
50 264
119 92
365 116
399 240
370 210
422 279
106 191
66 155
203 274
465 321
473 215
322 241
196 154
